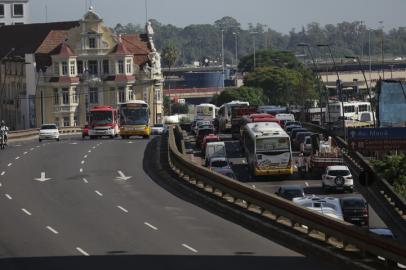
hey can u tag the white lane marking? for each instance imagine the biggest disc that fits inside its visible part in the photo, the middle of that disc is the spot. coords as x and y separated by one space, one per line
8 196
130 142
81 170
18 145
189 248
82 162
89 151
52 229
82 251
98 193
17 158
85 180
25 153
74 143
9 164
42 178
122 208
307 184
3 173
25 211
32 149
85 156
1 184
151 226
38 146
94 147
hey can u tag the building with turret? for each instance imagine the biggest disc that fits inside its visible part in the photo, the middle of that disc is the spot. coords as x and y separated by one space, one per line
73 66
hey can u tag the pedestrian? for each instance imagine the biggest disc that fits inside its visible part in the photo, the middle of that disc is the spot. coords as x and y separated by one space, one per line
301 164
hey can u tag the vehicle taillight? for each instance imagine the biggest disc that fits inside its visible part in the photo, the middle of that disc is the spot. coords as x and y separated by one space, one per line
365 212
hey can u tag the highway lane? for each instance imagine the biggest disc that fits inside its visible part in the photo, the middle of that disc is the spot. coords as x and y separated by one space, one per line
84 209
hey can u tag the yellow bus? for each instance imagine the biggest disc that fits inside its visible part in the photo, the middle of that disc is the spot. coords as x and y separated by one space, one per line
134 119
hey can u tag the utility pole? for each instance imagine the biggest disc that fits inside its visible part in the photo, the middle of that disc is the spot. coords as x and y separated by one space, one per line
222 53
236 48
253 41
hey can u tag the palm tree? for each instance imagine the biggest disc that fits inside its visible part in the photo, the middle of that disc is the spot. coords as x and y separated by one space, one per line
169 56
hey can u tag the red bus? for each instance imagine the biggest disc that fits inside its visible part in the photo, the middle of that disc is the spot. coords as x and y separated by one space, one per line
103 122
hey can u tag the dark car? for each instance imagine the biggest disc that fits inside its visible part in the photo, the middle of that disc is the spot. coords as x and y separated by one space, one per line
290 191
201 133
226 172
288 129
292 123
294 131
355 210
299 138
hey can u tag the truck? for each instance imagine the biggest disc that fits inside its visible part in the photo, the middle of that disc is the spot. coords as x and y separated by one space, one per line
324 153
237 114
103 122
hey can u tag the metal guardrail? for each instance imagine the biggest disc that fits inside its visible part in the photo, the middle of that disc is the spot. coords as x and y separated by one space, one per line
339 234
19 134
393 203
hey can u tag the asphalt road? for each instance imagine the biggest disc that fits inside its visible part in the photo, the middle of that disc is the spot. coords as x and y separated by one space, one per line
81 204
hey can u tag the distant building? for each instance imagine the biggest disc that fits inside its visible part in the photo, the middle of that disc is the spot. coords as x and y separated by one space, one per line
391 101
14 12
58 71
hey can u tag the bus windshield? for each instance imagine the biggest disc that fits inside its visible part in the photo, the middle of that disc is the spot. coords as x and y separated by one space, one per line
272 145
101 117
134 116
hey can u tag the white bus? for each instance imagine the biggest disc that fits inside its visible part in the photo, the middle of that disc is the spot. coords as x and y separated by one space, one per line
225 114
353 110
205 111
267 148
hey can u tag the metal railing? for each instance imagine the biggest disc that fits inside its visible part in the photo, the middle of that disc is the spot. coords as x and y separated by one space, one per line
338 234
20 134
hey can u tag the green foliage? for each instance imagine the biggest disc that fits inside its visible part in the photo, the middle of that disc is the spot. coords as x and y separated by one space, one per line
269 58
169 55
253 95
393 169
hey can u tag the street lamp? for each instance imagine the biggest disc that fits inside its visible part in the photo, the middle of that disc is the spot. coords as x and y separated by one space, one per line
338 85
318 78
253 41
366 83
236 48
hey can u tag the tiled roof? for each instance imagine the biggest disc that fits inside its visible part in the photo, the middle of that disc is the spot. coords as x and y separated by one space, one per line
138 46
63 49
52 41
27 38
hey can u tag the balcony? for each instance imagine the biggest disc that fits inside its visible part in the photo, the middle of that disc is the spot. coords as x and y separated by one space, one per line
65 108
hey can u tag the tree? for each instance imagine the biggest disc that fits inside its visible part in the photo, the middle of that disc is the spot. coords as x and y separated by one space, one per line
169 55
253 95
269 58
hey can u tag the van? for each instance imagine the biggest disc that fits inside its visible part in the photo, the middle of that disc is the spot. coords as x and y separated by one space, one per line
214 149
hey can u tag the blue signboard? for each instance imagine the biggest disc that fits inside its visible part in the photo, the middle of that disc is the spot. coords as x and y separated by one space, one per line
355 134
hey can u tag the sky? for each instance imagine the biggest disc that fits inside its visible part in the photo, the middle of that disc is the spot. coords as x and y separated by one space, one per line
280 15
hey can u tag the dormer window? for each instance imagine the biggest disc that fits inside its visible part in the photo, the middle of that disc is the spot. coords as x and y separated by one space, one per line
92 43
64 68
128 66
72 68
120 66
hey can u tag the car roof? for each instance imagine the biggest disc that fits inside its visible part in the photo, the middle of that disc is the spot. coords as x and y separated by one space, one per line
218 158
337 167
223 170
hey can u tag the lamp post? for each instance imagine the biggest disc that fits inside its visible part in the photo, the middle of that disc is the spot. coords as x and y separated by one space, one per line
236 48
222 52
318 79
366 83
253 41
338 85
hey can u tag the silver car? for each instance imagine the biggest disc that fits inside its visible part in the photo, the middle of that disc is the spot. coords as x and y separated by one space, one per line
48 132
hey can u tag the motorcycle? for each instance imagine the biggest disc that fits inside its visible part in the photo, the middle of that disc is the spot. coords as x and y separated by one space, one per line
2 139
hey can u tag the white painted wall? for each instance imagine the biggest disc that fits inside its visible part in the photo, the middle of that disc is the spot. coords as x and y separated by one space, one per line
8 17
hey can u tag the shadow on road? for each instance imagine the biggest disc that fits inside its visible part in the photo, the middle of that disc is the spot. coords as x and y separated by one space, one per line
166 262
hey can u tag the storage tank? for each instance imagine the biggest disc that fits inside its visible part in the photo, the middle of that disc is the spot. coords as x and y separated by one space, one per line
204 79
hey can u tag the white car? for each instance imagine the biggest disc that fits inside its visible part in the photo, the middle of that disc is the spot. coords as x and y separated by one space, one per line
328 206
337 177
48 132
158 129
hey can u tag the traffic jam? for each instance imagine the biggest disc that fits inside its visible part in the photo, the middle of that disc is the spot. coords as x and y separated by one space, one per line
267 148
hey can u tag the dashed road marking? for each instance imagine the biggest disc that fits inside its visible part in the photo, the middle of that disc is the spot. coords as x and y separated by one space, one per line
82 162
82 251
1 184
189 248
85 156
26 211
17 158
89 151
81 170
98 193
25 153
85 180
94 147
32 149
122 209
38 146
8 196
307 184
151 226
52 229
3 173
8 165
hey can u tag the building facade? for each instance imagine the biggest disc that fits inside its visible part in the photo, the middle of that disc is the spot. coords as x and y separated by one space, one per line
14 12
74 66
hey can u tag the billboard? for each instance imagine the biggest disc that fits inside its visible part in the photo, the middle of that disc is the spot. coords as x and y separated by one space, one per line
391 103
377 139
